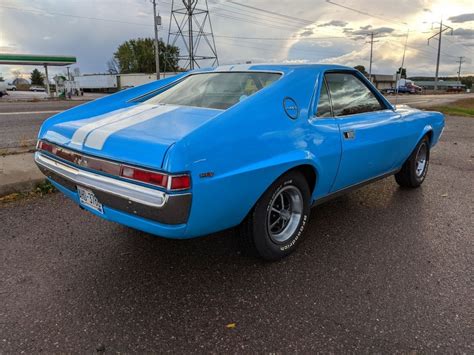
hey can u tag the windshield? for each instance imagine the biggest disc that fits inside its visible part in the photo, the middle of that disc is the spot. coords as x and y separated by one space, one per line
215 90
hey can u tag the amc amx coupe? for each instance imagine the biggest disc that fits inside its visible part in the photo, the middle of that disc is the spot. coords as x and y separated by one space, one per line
253 147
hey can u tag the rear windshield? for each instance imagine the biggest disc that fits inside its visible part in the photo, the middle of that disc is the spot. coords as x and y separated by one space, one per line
215 90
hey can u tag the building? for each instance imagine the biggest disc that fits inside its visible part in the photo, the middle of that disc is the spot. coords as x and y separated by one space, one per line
383 81
453 86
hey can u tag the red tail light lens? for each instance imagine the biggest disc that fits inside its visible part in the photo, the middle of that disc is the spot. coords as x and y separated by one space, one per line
180 182
146 176
45 146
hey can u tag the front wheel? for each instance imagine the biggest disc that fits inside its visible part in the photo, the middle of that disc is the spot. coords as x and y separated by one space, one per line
278 220
414 170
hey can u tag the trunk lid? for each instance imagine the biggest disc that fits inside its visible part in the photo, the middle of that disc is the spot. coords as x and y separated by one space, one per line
139 134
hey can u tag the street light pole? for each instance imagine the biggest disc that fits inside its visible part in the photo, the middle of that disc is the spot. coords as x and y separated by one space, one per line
157 22
439 54
371 51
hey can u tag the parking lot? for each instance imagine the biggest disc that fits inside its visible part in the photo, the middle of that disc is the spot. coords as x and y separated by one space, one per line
382 270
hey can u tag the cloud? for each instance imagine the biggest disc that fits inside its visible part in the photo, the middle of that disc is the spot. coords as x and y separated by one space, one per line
306 33
365 27
336 23
462 18
464 32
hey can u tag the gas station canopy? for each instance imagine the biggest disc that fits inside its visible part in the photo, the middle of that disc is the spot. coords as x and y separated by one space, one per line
30 59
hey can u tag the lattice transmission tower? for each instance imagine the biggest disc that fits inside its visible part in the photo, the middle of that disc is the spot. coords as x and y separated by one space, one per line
191 28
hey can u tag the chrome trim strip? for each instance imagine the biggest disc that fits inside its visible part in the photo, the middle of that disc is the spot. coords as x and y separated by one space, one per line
351 188
133 192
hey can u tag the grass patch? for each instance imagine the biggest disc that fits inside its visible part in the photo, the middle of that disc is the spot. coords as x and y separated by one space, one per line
44 188
464 107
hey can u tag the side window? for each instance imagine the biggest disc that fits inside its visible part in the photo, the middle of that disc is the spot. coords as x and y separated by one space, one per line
324 105
349 95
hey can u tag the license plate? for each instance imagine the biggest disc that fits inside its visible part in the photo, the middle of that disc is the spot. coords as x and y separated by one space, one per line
87 198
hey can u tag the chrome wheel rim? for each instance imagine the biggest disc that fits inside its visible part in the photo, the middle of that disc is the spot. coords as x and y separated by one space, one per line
421 159
284 214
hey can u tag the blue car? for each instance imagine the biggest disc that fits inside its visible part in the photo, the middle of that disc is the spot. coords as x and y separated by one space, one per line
246 146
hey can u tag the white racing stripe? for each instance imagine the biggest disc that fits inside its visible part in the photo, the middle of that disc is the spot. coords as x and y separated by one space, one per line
81 133
97 137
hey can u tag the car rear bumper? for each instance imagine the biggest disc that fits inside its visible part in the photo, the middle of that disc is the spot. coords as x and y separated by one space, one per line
140 202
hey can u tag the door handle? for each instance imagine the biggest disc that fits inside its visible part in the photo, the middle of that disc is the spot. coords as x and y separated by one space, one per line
349 134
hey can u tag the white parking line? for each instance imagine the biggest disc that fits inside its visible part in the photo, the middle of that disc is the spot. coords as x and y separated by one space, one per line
27 113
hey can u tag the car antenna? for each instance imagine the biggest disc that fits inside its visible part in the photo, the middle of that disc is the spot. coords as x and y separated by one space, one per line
401 69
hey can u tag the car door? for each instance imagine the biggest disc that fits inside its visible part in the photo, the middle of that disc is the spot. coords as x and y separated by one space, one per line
325 140
367 126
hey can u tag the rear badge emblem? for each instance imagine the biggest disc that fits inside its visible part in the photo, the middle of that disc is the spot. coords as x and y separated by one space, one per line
291 108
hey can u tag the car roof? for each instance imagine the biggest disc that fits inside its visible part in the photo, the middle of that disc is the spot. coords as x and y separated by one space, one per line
283 67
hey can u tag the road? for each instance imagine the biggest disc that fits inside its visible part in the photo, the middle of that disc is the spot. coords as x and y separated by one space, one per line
20 121
382 270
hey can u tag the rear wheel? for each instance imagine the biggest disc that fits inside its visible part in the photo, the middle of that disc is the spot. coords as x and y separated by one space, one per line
414 170
278 220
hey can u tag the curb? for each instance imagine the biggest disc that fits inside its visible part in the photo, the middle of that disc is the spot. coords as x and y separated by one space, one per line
19 187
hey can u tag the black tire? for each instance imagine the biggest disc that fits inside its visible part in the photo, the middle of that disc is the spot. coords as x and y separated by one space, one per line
411 174
254 234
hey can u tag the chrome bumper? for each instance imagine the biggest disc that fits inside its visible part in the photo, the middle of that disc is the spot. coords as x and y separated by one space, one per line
117 194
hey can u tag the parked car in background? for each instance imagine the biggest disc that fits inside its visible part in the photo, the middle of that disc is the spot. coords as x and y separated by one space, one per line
11 87
37 88
246 146
388 91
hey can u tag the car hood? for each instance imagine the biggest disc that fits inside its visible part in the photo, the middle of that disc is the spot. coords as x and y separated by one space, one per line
139 134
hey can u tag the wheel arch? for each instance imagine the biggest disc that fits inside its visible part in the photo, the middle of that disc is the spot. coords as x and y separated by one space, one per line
309 172
427 131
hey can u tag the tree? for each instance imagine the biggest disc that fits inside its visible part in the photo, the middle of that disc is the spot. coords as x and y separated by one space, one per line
138 56
37 78
361 68
402 72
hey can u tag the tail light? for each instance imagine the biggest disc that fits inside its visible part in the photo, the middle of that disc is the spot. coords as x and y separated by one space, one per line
42 145
169 182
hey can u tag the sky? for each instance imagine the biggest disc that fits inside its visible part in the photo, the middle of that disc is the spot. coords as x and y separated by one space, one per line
299 31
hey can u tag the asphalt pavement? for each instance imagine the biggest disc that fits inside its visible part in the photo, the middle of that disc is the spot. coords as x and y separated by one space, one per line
381 270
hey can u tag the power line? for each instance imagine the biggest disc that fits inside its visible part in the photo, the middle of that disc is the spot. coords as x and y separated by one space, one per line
72 16
308 22
367 13
255 15
282 38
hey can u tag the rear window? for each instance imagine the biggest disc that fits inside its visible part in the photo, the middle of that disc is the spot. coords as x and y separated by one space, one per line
215 90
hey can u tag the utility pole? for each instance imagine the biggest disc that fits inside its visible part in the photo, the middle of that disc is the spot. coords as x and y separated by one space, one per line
157 22
461 60
442 28
371 53
190 7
